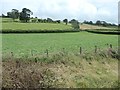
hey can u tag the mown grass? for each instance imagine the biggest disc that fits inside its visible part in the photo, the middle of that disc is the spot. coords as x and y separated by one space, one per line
25 44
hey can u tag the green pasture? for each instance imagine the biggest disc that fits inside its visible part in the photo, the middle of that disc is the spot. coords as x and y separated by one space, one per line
34 26
8 24
24 44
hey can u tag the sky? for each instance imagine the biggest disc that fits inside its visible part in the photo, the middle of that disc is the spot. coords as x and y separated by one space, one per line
90 10
119 12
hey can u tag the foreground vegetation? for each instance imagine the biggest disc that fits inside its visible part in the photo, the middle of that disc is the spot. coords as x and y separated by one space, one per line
61 70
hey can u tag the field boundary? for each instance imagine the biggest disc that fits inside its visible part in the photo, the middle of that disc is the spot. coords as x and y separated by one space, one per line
97 31
36 31
106 31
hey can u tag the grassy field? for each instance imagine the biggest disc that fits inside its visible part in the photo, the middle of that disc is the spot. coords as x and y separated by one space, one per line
22 44
8 24
34 26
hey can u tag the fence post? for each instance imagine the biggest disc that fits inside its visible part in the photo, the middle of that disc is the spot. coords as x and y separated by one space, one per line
80 50
47 52
12 54
32 52
64 50
110 50
95 49
17 64
111 46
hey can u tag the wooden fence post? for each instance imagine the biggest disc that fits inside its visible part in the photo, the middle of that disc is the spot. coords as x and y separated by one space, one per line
110 50
47 52
32 53
12 55
95 49
64 50
80 50
111 46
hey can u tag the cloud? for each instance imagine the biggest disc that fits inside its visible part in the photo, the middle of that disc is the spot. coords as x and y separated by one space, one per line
60 9
119 13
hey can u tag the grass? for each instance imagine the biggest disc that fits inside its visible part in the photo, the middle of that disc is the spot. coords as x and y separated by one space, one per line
8 24
25 44
35 26
65 71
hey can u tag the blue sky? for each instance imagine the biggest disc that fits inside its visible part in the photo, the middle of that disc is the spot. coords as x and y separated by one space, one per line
59 9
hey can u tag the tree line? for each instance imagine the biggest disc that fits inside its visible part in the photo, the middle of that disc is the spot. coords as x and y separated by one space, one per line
99 23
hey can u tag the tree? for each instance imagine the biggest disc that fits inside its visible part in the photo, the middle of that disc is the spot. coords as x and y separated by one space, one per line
25 15
40 20
3 15
14 14
44 20
9 14
75 24
58 21
49 20
104 23
65 21
91 22
72 21
98 22
88 22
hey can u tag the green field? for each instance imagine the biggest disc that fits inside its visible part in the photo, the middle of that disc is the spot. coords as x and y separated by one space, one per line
34 26
8 24
23 44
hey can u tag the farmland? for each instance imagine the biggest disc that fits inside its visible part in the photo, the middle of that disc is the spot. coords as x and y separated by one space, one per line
8 24
38 43
53 60
34 26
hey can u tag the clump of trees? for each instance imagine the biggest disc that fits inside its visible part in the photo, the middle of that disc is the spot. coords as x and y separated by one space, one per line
48 20
88 22
14 14
75 24
65 21
23 16
103 23
99 23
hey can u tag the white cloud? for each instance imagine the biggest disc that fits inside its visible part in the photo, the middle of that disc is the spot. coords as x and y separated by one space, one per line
60 9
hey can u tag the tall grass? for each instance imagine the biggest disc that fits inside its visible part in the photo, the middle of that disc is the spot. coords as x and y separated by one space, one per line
61 70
